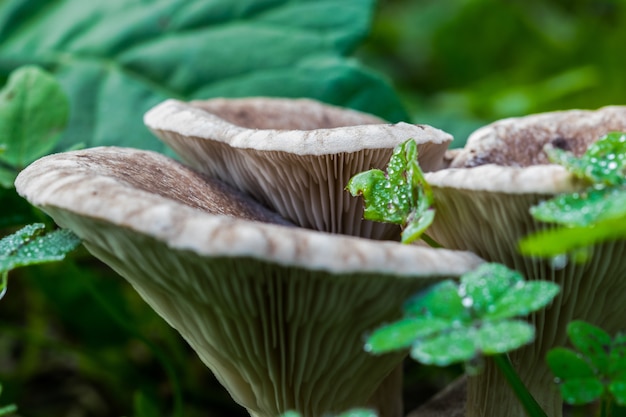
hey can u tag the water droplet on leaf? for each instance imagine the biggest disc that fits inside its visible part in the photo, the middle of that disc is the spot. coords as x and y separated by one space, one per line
559 261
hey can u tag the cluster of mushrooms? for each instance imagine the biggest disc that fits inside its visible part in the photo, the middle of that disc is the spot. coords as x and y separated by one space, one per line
261 260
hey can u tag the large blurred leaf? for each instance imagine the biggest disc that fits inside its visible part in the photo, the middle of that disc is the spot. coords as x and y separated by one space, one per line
117 58
33 113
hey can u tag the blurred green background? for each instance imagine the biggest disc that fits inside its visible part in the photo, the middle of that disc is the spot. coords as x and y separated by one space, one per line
459 64
76 339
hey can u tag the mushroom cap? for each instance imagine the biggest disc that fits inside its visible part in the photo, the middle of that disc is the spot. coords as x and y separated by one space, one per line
519 141
485 209
294 156
278 313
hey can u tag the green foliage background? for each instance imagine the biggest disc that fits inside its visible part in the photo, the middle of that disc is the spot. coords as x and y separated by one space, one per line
461 63
76 339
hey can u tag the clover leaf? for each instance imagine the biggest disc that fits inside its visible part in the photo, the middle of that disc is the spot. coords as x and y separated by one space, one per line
597 369
400 196
590 216
452 322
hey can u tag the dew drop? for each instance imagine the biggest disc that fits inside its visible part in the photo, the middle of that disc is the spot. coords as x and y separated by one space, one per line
559 262
467 302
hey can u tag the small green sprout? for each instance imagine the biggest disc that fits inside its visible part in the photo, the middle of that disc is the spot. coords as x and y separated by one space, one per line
32 245
400 196
453 323
592 216
596 372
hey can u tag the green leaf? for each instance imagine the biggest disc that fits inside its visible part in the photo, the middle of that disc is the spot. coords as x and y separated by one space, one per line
442 300
617 357
451 323
7 410
604 162
29 246
490 340
33 113
566 364
7 177
593 342
555 242
481 287
598 370
581 391
401 196
358 413
116 59
458 345
593 216
523 298
584 208
618 389
372 186
402 334
417 225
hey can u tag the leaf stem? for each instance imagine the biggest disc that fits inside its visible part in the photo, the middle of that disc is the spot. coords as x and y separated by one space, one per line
605 406
431 242
533 409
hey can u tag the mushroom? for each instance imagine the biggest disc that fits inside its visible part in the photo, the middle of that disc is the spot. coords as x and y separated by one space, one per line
483 204
277 312
294 156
